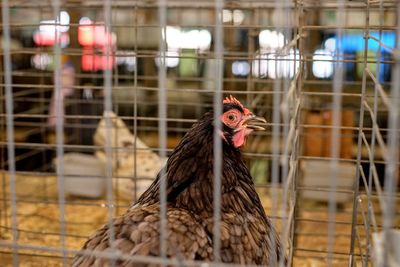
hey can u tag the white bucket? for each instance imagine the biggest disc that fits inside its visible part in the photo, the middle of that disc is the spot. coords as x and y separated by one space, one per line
84 175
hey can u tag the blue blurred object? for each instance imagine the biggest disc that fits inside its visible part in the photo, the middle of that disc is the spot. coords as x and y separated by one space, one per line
353 43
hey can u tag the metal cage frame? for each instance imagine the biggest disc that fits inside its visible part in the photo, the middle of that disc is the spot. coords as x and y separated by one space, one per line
284 100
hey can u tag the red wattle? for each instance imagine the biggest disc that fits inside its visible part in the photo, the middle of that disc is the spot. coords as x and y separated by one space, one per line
239 138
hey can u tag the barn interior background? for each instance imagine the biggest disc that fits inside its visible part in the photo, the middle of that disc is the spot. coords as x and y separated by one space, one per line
95 94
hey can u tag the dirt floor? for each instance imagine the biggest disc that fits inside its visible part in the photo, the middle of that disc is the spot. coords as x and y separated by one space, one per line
38 218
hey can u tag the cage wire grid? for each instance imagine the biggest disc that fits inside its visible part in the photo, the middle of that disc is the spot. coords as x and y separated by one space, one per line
41 224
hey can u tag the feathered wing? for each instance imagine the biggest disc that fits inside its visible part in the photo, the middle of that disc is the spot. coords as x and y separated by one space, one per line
245 240
137 232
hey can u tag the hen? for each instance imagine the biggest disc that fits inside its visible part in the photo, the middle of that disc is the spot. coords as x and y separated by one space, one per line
247 235
148 163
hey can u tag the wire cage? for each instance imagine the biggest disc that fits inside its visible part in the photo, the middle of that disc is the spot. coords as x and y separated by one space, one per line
96 94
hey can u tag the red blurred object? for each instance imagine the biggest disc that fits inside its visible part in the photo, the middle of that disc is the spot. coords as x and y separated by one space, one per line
95 40
95 35
93 60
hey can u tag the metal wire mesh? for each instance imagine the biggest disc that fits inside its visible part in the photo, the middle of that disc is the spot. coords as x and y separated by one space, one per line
325 74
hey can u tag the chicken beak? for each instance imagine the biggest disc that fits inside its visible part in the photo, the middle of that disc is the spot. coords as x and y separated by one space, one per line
256 123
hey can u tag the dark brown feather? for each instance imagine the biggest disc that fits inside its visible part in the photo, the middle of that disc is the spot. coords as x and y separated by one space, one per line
247 235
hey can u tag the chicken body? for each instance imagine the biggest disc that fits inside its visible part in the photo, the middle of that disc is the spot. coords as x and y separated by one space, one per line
247 235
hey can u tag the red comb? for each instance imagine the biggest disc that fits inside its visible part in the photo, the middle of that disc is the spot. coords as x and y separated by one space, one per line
232 100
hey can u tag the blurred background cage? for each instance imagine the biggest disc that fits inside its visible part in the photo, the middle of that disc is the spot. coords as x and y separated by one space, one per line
96 94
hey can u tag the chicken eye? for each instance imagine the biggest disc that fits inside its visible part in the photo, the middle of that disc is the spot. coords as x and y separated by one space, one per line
232 117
